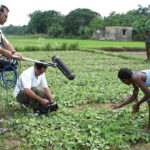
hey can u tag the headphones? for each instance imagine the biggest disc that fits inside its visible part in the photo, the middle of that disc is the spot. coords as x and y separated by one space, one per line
1 9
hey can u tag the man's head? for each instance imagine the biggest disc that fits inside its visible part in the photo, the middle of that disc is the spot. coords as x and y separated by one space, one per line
125 75
40 68
3 14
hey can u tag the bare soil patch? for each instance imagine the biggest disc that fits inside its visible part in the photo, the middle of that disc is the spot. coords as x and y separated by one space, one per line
134 53
140 147
12 144
94 106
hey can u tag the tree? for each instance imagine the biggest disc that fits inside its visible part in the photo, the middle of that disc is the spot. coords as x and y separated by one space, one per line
55 31
147 25
16 30
40 22
85 32
141 22
96 23
77 18
115 19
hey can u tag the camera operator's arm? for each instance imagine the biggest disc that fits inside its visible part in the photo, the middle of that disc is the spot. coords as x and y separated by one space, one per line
48 94
47 91
6 53
9 47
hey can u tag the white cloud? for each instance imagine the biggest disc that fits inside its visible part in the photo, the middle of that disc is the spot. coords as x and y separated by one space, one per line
20 9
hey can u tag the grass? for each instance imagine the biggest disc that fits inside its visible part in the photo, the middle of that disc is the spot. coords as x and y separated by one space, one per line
21 41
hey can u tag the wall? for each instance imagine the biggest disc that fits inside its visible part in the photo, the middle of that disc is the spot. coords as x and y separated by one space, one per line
113 34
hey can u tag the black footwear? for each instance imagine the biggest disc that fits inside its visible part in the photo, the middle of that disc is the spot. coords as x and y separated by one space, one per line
25 106
53 107
46 109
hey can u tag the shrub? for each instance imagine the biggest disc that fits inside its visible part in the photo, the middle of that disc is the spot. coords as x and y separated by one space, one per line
74 46
19 49
55 31
31 48
47 47
64 46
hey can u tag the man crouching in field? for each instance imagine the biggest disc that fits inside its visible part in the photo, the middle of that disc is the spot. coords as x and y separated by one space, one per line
32 91
139 80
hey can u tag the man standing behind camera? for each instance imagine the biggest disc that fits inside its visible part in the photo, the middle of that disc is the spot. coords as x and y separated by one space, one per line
6 49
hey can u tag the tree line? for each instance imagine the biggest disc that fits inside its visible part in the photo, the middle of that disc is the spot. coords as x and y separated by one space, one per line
81 23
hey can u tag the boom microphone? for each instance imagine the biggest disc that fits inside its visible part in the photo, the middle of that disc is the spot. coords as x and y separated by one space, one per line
63 68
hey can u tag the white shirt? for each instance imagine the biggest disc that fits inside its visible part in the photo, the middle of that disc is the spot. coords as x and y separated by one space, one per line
2 38
28 79
2 41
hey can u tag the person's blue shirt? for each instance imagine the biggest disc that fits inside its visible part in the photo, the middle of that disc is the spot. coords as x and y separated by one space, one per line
147 72
147 82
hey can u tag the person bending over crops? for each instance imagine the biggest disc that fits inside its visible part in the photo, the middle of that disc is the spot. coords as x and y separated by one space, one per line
139 80
32 90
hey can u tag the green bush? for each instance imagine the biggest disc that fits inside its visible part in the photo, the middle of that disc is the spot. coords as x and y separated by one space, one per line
55 31
47 47
64 46
74 46
31 48
19 49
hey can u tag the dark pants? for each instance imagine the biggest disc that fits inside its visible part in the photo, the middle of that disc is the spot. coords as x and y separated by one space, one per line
148 51
23 98
6 62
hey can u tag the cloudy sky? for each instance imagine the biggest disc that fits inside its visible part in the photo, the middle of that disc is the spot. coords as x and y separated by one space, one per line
19 9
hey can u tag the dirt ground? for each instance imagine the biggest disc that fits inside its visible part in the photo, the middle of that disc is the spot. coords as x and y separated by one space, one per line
12 144
141 147
133 53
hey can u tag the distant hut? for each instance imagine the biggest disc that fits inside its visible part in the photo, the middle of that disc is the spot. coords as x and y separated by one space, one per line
114 33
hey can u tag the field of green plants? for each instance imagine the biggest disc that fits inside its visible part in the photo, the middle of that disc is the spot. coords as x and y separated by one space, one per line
84 120
41 40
